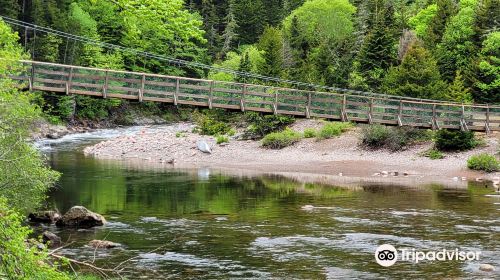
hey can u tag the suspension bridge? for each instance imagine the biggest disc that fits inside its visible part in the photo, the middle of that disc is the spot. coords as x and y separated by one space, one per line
342 106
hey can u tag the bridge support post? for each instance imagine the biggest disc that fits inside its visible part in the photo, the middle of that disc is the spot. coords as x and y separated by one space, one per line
105 86
210 94
177 89
275 103
141 91
31 79
487 121
463 123
370 112
434 118
308 106
69 81
343 113
400 113
242 99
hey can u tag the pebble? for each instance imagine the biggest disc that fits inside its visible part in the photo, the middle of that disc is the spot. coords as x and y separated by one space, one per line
384 173
486 267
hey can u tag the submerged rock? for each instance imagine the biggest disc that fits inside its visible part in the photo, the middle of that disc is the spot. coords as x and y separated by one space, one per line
486 267
103 244
48 217
79 216
51 239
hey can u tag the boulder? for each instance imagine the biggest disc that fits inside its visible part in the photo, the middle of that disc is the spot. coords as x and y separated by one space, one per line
48 217
103 244
51 239
81 217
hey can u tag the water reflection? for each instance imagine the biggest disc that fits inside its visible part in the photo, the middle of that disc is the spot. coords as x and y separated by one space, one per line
217 226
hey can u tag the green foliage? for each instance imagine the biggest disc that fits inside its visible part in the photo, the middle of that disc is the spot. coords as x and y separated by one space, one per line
260 124
393 139
434 154
421 21
221 139
455 140
483 162
251 58
280 140
20 259
488 78
212 122
310 133
332 129
457 92
271 43
416 76
457 48
24 178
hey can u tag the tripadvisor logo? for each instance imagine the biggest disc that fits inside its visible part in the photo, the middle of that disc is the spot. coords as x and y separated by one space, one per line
386 255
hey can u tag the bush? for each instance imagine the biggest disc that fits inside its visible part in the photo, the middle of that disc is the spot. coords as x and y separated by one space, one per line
309 133
222 139
375 136
279 140
19 258
455 140
260 125
434 154
213 122
332 129
393 138
484 162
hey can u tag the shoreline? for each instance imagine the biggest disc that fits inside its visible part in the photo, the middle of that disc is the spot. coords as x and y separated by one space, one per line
339 159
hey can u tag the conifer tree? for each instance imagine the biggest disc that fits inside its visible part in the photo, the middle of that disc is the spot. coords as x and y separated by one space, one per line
250 16
229 35
271 43
445 10
417 75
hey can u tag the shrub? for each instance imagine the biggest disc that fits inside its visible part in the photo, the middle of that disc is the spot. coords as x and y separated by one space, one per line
392 138
213 122
279 140
309 133
455 140
260 125
375 136
222 139
434 154
19 258
332 129
484 162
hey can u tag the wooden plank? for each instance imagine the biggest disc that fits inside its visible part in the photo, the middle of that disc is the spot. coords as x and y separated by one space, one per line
210 95
78 84
141 91
49 89
113 87
69 83
49 81
177 89
51 72
105 87
242 99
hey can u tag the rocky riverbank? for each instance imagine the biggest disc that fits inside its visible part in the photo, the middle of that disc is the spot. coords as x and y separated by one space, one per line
338 157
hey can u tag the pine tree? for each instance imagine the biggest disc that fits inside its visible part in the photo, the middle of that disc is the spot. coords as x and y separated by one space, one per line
229 35
487 19
245 66
271 43
210 21
445 10
487 85
457 91
417 75
10 8
250 17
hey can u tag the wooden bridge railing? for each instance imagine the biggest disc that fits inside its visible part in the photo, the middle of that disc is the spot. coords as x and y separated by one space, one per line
247 97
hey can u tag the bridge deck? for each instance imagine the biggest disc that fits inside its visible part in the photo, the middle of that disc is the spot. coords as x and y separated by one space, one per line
105 83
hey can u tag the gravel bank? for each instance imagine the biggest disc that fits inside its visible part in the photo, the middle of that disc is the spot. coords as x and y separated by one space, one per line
324 160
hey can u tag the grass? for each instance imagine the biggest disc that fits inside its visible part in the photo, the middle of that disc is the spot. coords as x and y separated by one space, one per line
221 139
332 129
310 133
279 140
179 134
483 162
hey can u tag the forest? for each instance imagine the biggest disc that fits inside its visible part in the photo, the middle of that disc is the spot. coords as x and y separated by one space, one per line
445 49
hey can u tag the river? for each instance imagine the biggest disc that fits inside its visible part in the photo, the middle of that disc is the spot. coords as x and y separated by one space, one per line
206 224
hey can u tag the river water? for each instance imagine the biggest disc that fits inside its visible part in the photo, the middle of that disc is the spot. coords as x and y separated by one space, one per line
207 225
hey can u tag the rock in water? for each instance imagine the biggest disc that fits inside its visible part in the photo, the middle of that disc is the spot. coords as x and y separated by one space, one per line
81 217
204 147
486 267
103 244
48 217
51 239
